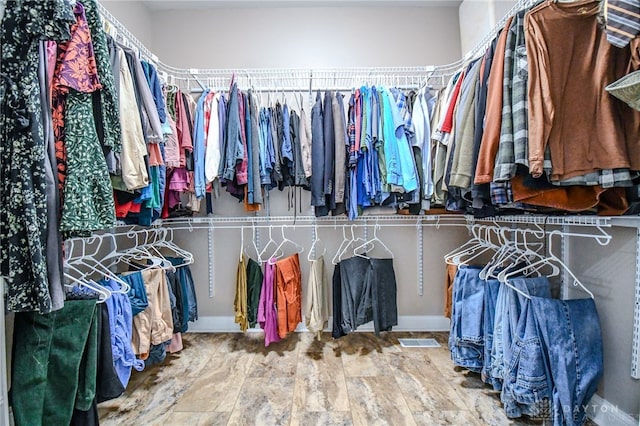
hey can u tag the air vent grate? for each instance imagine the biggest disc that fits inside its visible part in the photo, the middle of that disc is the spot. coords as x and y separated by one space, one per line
419 343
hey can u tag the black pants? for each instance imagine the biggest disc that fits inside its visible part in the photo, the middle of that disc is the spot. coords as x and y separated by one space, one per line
366 291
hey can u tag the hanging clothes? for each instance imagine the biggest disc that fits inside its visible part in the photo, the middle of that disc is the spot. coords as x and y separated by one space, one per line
240 300
316 310
254 285
574 374
554 116
364 290
154 325
54 236
64 345
121 326
23 229
288 287
267 311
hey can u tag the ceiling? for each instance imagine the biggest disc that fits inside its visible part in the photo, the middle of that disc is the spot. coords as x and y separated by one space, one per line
209 4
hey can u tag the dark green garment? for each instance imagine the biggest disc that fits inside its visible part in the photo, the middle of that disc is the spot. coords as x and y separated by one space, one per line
23 189
88 195
107 113
54 363
254 284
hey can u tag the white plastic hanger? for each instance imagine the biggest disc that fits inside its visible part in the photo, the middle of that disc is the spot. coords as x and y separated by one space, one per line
349 243
91 262
81 281
314 244
264 251
252 244
550 260
367 246
345 242
471 244
484 245
279 252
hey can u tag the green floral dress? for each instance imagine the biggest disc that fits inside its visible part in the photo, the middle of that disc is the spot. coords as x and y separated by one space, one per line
23 209
88 196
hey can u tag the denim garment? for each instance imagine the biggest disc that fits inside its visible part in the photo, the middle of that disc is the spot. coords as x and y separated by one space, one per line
525 389
491 290
137 293
572 341
234 148
466 317
287 147
121 324
265 166
190 302
496 360
156 89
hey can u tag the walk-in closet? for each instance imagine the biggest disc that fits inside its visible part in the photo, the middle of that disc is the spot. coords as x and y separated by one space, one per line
320 212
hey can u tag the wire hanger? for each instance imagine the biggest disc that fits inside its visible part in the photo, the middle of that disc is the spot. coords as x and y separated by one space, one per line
506 274
279 252
313 245
370 245
271 241
336 258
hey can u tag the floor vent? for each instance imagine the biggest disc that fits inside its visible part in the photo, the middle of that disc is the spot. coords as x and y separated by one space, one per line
419 343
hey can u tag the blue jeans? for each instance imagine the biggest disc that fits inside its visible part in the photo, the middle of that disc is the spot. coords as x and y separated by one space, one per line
466 339
525 387
496 360
572 341
491 290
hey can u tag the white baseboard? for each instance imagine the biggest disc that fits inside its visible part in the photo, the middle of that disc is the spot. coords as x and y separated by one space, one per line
603 413
405 323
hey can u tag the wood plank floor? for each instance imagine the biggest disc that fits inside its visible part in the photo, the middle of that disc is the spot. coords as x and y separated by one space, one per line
360 379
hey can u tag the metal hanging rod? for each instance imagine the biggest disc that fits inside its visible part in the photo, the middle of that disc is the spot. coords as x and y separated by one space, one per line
386 220
596 221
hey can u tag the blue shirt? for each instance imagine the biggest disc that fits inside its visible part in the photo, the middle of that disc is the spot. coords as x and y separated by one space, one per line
399 159
200 180
121 325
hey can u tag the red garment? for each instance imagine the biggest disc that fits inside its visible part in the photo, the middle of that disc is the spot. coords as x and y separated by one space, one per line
242 174
155 156
75 69
447 124
182 127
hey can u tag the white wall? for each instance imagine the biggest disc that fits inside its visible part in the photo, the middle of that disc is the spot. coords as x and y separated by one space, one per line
478 18
307 37
135 16
609 272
